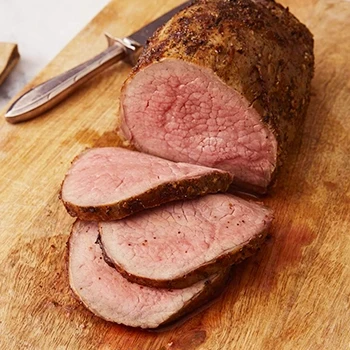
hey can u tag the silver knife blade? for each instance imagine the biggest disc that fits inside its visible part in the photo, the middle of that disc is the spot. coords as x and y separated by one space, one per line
46 95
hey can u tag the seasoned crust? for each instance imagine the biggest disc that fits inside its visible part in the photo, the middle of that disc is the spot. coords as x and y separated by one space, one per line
212 288
202 272
257 47
215 181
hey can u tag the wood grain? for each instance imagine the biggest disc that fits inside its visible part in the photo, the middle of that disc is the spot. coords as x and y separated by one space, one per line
9 57
295 294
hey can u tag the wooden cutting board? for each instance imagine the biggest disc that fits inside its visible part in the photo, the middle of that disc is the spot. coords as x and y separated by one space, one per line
295 294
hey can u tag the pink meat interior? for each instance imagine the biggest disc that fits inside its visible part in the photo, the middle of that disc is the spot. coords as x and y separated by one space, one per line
184 112
170 241
105 292
102 176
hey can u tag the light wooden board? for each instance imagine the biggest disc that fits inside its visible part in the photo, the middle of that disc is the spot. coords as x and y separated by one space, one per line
294 294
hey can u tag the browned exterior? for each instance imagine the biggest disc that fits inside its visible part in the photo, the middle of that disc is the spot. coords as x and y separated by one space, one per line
256 47
236 256
215 181
293 295
211 290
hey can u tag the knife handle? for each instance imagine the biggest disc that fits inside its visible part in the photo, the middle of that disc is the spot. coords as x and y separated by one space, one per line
48 94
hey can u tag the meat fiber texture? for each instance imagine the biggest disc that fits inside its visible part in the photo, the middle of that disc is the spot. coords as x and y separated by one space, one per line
225 84
111 183
107 294
179 244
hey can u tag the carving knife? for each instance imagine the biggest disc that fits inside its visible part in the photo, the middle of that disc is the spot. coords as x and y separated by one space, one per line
46 95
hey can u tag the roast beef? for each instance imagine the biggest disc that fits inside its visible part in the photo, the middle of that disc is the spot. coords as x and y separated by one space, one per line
108 295
225 84
178 244
111 183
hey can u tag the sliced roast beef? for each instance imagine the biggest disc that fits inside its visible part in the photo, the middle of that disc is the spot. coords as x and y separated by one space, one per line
111 183
225 84
110 296
176 245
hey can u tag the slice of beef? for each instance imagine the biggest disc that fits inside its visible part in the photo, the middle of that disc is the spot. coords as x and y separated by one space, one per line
110 183
225 84
109 295
178 244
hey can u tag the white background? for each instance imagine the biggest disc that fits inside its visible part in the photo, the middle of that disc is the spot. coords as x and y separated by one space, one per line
41 28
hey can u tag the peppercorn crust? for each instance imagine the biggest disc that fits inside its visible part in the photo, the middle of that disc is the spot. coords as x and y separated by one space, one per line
256 47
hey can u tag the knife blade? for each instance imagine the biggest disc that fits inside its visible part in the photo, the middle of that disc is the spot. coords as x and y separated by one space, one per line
48 94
